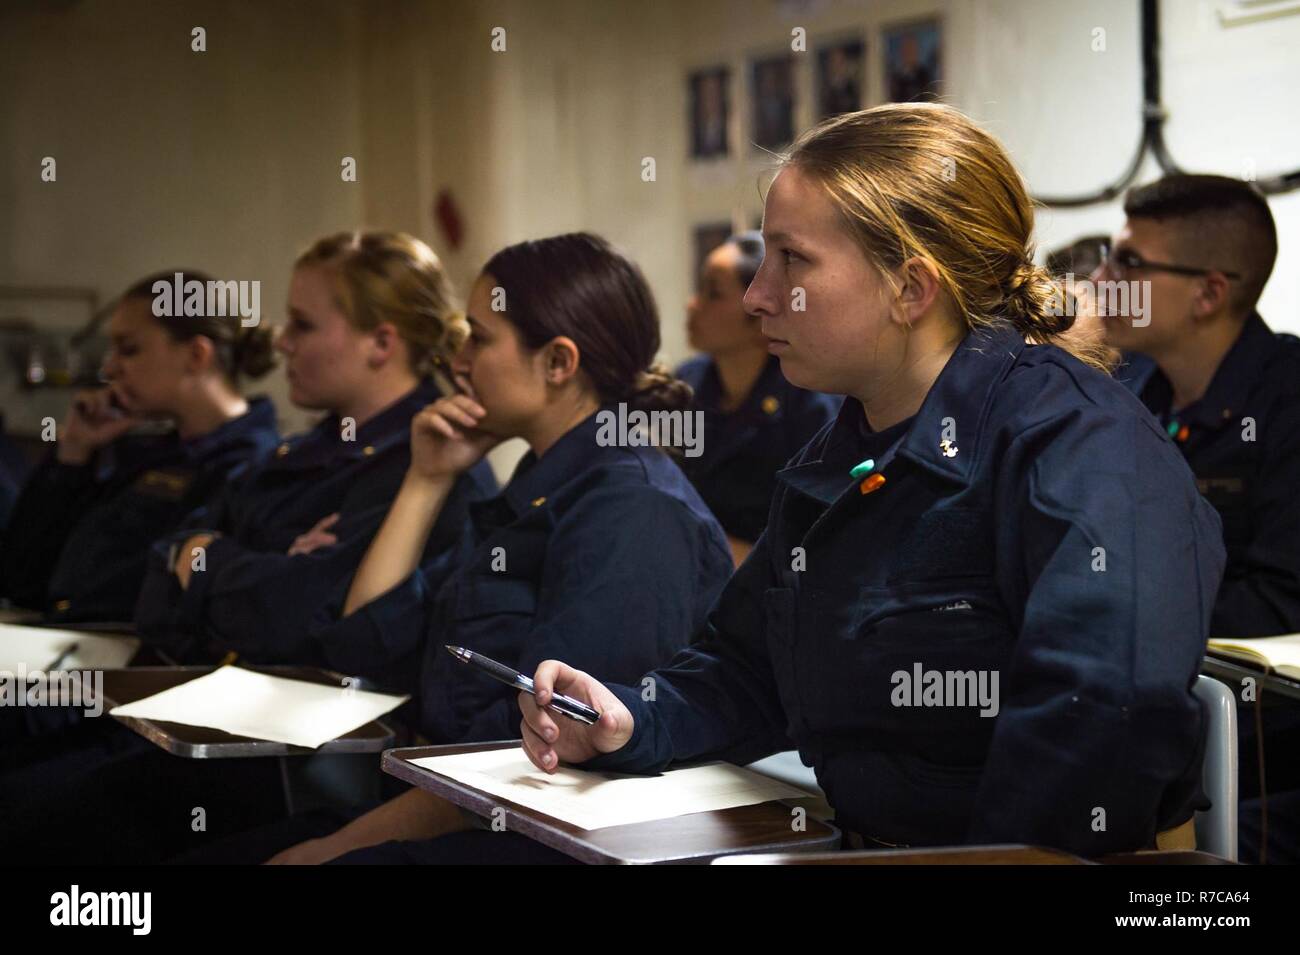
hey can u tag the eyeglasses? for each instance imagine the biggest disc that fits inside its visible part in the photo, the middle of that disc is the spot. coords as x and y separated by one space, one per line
1120 263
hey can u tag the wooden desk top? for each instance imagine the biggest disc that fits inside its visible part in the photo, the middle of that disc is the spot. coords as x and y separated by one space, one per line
974 855
1167 857
1275 687
947 855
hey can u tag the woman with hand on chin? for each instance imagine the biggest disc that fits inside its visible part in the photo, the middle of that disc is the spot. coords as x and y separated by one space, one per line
986 505
600 552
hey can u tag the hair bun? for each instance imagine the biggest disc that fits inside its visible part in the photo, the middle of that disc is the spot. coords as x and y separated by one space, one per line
254 351
1028 302
658 389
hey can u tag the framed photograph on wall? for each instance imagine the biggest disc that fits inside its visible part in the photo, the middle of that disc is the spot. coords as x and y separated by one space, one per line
913 61
841 77
710 110
771 97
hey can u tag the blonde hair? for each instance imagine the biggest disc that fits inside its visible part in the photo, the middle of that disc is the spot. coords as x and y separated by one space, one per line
393 277
921 179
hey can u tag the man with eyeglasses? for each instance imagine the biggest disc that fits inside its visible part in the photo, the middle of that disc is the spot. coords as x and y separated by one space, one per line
1227 390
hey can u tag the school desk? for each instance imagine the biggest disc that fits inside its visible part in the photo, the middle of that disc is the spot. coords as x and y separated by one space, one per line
1271 685
343 768
695 838
973 855
201 742
933 855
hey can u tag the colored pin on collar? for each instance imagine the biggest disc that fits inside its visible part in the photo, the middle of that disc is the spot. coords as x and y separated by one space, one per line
948 448
874 482
1178 432
863 469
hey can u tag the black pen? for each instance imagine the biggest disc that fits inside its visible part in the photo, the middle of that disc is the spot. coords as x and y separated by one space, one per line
564 705
58 661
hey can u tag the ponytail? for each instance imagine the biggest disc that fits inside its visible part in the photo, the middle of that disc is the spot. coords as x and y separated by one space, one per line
658 389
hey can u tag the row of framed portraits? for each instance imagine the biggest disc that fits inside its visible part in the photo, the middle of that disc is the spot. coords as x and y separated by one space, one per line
912 70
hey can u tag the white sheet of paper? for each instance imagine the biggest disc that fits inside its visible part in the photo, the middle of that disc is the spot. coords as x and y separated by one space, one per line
262 706
37 647
593 800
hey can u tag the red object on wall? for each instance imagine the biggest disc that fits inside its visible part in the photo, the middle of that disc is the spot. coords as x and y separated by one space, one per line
447 214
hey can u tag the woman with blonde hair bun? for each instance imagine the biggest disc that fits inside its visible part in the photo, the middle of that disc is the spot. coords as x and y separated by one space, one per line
984 591
369 315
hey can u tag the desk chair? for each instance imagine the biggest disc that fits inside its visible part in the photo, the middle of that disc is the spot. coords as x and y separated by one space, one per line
1216 828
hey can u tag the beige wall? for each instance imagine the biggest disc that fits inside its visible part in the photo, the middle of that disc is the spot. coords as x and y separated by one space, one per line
226 161
229 160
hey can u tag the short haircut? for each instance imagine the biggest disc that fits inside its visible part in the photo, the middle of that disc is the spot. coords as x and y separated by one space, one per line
1218 222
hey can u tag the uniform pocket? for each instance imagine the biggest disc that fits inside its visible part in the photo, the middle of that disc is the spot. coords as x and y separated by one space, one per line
954 625
484 596
914 669
925 773
946 543
1230 496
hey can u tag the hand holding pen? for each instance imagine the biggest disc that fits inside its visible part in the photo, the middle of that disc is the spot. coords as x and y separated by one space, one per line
573 709
548 741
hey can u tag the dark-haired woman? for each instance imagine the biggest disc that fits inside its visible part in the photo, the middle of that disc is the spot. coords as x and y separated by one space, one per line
77 544
601 550
754 419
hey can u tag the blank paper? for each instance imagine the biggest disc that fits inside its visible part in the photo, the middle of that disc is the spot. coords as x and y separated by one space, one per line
37 647
262 706
593 800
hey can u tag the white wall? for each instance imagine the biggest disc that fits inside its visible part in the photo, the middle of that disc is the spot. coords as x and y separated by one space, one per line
229 160
586 89
1227 91
226 161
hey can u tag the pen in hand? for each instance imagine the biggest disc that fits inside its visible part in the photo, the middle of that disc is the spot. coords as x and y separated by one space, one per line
564 705
58 661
